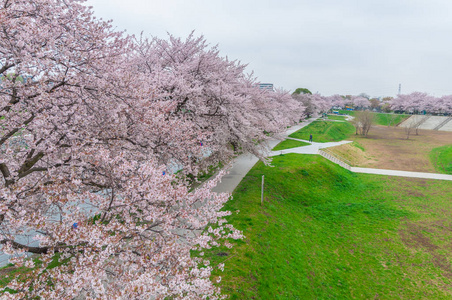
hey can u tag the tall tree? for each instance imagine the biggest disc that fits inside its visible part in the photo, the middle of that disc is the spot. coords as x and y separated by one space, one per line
299 91
375 103
363 121
415 102
221 102
78 164
337 100
360 102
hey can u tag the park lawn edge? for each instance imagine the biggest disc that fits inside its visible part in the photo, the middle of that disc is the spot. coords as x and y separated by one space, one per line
327 245
289 144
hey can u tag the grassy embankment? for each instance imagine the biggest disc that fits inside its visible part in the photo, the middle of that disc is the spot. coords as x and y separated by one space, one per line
383 119
390 119
337 118
353 152
287 144
326 233
325 131
441 158
347 112
322 131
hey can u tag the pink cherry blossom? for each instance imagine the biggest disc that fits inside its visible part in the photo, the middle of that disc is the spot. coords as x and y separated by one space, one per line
90 120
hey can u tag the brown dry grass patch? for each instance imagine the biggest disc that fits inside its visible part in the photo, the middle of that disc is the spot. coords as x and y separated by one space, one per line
354 155
388 148
420 237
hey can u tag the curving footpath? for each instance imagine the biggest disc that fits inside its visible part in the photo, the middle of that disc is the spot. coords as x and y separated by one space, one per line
243 163
402 173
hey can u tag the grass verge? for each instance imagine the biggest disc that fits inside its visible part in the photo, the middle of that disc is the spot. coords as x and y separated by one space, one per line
441 158
390 119
326 233
334 117
383 119
287 144
353 152
324 131
347 112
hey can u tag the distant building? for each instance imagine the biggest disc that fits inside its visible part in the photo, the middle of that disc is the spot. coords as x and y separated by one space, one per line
266 86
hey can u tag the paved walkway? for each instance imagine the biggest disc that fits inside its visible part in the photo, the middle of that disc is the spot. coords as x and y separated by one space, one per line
309 149
243 163
402 173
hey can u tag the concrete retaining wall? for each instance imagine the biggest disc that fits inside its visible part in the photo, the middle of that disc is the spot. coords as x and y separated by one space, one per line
428 122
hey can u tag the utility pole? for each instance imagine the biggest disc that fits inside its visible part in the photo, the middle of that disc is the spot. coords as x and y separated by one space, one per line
400 88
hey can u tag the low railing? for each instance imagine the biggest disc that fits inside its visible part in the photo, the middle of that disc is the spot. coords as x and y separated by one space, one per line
443 123
425 118
327 150
340 161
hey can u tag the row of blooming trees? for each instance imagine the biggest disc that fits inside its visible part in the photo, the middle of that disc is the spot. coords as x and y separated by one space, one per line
223 105
415 102
313 103
418 102
316 103
90 120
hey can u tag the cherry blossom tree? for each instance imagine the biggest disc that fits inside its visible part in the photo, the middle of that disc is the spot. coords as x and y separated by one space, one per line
439 105
400 103
361 102
285 109
305 100
445 104
321 103
337 101
313 104
214 95
80 168
415 102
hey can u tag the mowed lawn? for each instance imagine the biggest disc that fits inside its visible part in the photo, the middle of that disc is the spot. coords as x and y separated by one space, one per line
338 118
288 144
325 131
384 119
326 233
441 158
390 119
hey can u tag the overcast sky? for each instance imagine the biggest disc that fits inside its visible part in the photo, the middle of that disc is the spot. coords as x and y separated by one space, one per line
327 46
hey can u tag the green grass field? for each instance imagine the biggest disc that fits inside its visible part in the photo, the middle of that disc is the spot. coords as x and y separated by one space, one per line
441 158
334 117
326 233
383 119
325 131
386 119
287 144
347 112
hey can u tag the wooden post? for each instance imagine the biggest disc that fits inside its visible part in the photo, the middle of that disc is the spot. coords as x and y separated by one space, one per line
262 191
